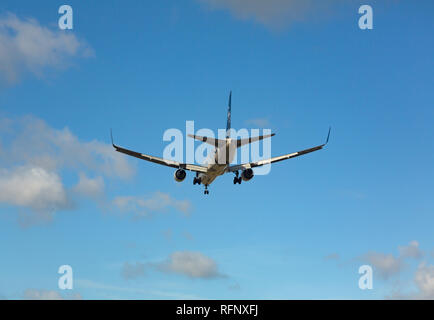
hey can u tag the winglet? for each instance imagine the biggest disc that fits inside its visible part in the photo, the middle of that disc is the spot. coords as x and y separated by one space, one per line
111 136
328 135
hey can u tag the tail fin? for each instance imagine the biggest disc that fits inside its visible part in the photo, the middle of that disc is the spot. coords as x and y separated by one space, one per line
228 123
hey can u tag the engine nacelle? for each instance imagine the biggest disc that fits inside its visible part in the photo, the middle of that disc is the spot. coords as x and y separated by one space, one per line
247 174
180 175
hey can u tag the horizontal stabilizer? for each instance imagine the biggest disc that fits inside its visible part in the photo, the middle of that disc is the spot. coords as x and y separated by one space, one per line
208 140
242 142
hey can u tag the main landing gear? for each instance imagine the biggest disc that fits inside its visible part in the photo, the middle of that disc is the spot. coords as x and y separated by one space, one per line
237 179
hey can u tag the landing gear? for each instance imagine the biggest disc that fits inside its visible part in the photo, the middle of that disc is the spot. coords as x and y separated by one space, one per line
206 191
237 179
197 179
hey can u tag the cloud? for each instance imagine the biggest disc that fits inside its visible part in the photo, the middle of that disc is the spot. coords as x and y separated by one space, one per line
272 13
35 294
388 265
424 279
32 159
133 271
410 251
385 264
28 47
424 284
33 141
92 188
140 206
33 188
259 122
332 256
191 264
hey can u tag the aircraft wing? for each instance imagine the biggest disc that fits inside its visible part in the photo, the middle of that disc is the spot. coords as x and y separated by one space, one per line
164 162
276 159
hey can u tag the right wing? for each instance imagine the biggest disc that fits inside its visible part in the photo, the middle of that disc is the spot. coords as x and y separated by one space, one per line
276 159
164 162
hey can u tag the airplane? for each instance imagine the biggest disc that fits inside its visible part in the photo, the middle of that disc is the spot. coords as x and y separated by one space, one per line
213 166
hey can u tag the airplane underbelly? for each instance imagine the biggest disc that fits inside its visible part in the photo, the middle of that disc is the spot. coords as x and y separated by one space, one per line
213 172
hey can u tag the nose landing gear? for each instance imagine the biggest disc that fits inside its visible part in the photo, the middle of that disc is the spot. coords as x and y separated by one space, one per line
197 179
206 191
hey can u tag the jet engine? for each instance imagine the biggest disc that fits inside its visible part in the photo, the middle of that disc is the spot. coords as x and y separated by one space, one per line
180 175
247 174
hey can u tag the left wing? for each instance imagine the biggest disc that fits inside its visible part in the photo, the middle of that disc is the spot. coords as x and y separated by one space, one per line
164 162
276 159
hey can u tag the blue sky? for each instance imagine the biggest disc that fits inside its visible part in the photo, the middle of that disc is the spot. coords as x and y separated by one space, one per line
300 232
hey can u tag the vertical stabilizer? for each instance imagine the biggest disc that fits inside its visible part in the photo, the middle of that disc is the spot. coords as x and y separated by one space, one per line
228 123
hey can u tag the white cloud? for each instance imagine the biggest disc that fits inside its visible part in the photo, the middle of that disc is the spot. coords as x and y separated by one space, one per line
411 250
424 279
259 122
133 271
33 141
34 189
424 285
332 256
36 294
385 264
26 46
388 265
32 158
144 206
93 188
191 264
272 13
